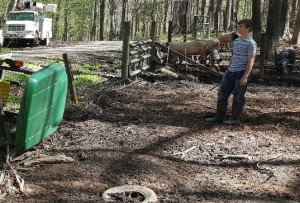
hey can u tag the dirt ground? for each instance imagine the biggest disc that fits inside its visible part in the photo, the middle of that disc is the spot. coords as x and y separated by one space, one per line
153 133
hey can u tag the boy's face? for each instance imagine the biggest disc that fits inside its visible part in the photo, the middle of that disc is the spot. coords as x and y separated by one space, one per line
241 29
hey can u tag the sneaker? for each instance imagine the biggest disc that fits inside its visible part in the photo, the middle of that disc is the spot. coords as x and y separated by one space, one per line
214 120
232 121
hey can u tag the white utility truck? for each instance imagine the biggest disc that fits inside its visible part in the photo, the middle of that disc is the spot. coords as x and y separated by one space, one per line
29 25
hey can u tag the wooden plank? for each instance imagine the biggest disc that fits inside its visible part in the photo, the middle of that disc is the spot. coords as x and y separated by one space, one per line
139 43
142 58
140 51
132 73
135 60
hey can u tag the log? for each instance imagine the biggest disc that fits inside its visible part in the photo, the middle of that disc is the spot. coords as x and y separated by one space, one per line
168 72
58 158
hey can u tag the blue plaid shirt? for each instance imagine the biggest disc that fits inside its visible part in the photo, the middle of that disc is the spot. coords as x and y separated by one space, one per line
241 50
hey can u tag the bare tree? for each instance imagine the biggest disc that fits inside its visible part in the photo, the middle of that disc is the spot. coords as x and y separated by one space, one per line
227 15
257 7
284 28
56 21
273 27
217 13
93 27
165 16
293 13
66 21
296 29
203 5
102 17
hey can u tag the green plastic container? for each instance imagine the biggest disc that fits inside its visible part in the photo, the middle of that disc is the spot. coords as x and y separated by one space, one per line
42 106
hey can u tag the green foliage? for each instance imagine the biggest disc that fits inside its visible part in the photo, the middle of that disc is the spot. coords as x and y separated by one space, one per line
118 66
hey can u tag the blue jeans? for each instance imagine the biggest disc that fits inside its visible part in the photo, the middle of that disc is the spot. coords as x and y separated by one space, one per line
230 84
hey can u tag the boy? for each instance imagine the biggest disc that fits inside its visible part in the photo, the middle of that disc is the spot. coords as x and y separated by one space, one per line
236 77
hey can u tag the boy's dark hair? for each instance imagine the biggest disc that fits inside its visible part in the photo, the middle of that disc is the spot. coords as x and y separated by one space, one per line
247 22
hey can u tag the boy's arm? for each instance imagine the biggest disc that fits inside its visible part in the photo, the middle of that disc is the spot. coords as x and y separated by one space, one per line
244 79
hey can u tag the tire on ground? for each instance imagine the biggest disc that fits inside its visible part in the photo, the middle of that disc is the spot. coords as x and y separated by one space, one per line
149 195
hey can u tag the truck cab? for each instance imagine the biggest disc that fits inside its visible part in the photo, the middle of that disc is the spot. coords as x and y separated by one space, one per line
28 26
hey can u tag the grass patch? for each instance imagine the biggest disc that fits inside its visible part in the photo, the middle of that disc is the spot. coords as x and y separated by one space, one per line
33 66
13 102
5 50
86 68
90 67
87 79
17 77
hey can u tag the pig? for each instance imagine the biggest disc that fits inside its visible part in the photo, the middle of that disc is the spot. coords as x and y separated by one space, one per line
227 38
284 61
195 48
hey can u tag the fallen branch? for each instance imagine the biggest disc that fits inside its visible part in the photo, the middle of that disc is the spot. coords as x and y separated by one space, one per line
236 157
184 152
267 170
20 181
214 87
58 158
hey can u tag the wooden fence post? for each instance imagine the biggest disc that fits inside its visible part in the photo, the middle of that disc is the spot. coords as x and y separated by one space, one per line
170 29
125 49
71 84
262 54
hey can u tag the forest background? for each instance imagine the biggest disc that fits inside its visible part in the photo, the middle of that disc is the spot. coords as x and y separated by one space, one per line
77 20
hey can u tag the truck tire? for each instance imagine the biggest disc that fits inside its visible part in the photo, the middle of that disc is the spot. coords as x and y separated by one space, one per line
6 42
34 42
149 195
46 41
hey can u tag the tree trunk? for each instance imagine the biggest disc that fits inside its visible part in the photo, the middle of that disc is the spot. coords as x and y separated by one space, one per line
66 21
112 9
296 31
284 19
11 6
257 20
165 21
293 13
203 5
227 15
123 18
273 28
93 28
102 17
197 7
56 21
211 12
216 15
237 8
